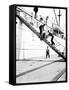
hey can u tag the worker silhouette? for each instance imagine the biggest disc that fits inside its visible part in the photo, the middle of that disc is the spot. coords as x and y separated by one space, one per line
47 53
52 37
41 28
35 10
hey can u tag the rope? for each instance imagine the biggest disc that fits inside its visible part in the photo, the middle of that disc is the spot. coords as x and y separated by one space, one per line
55 16
58 44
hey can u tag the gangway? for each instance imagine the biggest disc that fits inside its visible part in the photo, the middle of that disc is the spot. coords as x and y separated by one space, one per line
37 33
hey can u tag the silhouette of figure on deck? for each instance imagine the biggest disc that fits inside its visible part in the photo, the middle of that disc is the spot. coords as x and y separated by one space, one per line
41 28
47 52
52 37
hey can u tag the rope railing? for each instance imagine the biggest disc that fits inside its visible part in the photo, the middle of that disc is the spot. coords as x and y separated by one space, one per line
55 16
58 43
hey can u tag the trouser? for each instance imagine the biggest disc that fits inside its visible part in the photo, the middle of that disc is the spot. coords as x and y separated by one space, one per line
42 36
47 55
52 40
40 31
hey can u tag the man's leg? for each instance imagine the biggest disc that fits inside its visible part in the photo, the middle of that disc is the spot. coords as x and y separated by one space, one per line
49 55
43 35
46 55
53 41
40 34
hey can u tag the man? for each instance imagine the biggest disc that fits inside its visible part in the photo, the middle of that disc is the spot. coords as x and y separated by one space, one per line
47 52
41 28
52 37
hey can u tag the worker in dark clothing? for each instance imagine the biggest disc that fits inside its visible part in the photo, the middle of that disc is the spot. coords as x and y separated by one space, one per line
47 52
52 37
41 28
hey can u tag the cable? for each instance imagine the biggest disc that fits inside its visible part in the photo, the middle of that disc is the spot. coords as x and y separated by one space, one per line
58 43
55 16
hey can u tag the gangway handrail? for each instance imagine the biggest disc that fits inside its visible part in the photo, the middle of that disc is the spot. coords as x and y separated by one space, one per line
37 33
24 12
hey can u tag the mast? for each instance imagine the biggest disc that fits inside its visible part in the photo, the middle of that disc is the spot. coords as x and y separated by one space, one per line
59 15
